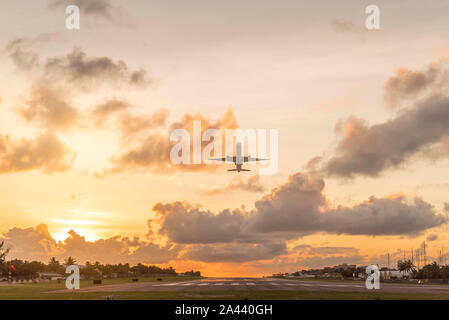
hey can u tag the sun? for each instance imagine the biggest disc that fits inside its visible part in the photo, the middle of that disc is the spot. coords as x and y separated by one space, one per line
63 233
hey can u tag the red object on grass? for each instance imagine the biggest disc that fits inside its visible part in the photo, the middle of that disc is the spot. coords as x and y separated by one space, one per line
12 268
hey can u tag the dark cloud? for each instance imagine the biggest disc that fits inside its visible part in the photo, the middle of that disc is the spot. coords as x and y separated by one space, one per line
94 7
77 68
46 153
235 252
334 260
21 55
21 50
320 251
385 216
408 84
296 208
432 237
368 150
419 131
184 223
446 206
252 184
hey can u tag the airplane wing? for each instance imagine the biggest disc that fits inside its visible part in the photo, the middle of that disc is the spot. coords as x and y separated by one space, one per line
218 159
251 159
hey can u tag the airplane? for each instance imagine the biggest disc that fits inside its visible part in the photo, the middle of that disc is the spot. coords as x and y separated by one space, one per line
238 159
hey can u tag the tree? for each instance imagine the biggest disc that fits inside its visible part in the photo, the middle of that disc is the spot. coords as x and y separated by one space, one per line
406 266
430 271
3 252
54 266
69 261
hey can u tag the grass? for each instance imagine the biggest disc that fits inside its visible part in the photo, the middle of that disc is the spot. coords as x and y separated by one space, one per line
40 291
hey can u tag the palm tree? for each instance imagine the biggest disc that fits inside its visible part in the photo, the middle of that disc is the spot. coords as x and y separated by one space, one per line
54 265
3 252
70 261
406 266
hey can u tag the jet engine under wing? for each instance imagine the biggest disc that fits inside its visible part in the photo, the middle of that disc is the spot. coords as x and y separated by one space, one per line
251 159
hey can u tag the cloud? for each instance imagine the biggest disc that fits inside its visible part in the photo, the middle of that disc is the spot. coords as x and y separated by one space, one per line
153 153
48 107
446 206
294 209
432 237
74 68
252 184
46 153
183 223
132 125
235 252
419 131
368 150
87 72
94 7
103 111
341 25
408 84
30 243
60 78
300 206
19 52
95 10
38 244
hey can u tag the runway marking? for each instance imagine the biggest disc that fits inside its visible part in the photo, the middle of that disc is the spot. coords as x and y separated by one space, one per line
187 284
219 284
170 284
204 284
291 284
275 284
250 284
235 284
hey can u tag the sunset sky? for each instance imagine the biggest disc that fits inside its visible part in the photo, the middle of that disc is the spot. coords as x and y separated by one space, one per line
86 116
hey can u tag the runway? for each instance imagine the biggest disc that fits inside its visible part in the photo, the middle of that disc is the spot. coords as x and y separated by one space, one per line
224 284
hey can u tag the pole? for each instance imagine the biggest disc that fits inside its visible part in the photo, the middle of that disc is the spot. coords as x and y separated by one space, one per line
9 276
425 256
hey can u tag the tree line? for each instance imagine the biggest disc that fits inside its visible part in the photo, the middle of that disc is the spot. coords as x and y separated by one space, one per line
31 269
407 267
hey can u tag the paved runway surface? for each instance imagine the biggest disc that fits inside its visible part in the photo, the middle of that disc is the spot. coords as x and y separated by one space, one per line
223 284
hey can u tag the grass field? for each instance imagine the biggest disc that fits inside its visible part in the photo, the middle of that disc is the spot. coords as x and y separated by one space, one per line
40 291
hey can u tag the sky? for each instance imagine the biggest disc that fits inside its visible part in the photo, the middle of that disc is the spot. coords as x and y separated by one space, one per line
86 117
